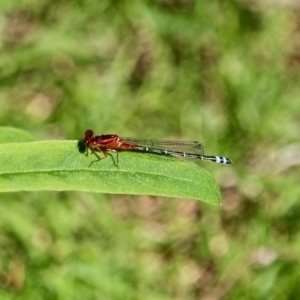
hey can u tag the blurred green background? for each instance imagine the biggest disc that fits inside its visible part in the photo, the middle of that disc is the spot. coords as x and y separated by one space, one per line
222 72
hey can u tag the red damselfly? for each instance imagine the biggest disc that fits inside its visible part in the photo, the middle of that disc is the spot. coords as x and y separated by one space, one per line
112 142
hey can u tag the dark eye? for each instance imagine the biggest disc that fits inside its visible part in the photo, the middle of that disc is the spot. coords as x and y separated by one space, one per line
81 146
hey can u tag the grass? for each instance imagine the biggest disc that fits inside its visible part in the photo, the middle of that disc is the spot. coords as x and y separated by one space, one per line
224 73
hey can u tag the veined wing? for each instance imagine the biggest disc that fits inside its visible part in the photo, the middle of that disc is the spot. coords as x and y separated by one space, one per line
193 147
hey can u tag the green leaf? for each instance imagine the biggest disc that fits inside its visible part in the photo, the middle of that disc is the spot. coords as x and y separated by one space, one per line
58 165
12 135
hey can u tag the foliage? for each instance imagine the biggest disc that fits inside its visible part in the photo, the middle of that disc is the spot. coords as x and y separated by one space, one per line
222 72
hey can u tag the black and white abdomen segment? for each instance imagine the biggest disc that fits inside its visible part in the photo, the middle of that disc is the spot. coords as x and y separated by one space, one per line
217 159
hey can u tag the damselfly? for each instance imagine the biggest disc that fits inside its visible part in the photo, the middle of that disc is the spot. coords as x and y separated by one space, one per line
112 142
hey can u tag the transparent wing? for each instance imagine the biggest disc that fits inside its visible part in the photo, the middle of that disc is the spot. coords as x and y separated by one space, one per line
193 147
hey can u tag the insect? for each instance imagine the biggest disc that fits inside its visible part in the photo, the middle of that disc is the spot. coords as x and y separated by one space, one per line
112 142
